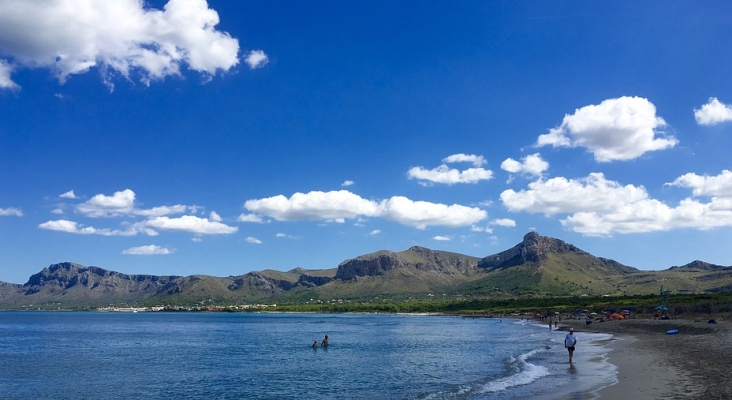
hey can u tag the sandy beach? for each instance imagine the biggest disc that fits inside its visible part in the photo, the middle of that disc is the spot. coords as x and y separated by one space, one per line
695 363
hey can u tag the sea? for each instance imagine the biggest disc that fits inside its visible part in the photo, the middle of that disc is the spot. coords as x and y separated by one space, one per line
202 355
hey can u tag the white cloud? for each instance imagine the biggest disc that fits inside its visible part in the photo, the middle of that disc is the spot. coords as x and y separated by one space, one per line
213 216
68 195
148 250
714 112
63 225
616 129
596 206
485 229
57 211
347 183
280 235
162 210
5 81
450 176
530 165
421 214
72 36
720 185
196 239
442 238
250 218
314 206
190 223
253 240
446 175
471 158
505 222
119 203
123 203
375 232
343 205
561 195
256 59
11 212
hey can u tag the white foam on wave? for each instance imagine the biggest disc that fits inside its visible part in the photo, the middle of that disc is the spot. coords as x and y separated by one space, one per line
528 373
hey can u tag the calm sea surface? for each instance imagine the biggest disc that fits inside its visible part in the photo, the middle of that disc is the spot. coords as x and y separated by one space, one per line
96 355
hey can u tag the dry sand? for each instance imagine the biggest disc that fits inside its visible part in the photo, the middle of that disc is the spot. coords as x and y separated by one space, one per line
696 363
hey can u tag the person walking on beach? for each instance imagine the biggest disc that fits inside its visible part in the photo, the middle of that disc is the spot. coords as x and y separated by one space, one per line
569 342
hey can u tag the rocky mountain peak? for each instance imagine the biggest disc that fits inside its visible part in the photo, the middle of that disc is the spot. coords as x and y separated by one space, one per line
533 248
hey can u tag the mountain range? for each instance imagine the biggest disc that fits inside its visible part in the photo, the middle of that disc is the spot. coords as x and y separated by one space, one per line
539 266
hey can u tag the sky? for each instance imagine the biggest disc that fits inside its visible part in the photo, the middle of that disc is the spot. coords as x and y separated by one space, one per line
223 137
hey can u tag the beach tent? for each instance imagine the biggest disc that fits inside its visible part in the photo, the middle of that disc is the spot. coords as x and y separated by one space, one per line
661 308
616 316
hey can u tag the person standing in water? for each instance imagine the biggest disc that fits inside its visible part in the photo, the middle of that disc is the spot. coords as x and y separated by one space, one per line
325 342
315 344
569 342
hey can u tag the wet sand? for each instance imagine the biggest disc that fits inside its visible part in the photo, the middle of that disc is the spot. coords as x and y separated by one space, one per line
693 364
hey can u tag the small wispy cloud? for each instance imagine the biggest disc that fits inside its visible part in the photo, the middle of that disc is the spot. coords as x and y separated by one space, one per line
148 250
505 222
11 212
68 195
256 59
250 218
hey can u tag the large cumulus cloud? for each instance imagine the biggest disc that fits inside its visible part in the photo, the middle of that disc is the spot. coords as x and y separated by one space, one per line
121 36
616 129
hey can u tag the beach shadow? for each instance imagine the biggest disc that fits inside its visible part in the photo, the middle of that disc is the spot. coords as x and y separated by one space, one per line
572 369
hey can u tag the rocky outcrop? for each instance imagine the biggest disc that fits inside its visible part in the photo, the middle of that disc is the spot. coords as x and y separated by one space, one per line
535 248
701 266
260 283
310 281
93 282
368 265
418 259
532 249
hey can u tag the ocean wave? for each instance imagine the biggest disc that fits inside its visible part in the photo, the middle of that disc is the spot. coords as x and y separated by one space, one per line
522 373
526 373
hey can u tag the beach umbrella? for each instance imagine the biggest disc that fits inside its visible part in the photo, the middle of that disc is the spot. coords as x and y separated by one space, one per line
625 312
556 312
593 313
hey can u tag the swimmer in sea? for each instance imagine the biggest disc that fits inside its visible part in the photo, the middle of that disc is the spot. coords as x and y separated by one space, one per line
325 342
315 344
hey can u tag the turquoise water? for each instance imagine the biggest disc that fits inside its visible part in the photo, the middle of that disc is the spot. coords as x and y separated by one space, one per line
65 355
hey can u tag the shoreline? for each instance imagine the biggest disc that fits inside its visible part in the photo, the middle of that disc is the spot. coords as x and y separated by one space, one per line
651 364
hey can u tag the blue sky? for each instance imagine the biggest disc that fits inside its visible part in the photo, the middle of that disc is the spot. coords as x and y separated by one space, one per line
219 138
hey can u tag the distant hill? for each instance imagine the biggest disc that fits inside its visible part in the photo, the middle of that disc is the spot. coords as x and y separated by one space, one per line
538 266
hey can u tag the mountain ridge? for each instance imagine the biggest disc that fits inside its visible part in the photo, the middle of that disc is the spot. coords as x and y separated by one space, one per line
537 266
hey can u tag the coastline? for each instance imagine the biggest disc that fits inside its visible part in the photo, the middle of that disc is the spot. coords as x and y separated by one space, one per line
651 364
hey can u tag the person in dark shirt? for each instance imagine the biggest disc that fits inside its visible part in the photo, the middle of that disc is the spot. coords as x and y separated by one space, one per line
569 342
